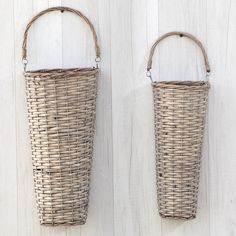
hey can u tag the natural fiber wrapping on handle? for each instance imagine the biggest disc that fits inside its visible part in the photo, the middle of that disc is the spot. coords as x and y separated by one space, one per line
87 21
179 33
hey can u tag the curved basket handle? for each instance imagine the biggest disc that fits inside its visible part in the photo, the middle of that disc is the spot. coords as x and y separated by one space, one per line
62 9
181 34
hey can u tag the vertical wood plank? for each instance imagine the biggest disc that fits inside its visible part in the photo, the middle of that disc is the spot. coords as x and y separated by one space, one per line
134 162
8 169
152 30
125 220
46 37
222 126
78 50
142 172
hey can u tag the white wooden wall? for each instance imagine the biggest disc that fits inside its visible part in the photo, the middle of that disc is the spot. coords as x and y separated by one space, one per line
123 190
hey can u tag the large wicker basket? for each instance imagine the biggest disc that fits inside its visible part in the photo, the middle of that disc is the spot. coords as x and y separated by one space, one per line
179 114
61 110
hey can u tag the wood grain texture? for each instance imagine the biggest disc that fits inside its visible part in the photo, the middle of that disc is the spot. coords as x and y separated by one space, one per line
8 152
123 185
133 157
222 35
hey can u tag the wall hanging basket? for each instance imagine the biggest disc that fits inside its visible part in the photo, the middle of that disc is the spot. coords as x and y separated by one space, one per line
179 117
61 109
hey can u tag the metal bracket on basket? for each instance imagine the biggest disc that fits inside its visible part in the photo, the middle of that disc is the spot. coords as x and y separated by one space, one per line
24 62
97 60
149 74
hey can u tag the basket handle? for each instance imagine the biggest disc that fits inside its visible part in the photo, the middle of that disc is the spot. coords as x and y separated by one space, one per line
181 34
62 9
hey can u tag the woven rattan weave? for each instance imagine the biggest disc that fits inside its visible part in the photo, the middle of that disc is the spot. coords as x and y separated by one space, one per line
179 115
61 110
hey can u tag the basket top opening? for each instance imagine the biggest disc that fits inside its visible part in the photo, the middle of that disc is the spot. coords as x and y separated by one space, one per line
62 70
181 83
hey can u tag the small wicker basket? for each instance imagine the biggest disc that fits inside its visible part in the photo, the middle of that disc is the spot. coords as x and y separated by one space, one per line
61 110
179 115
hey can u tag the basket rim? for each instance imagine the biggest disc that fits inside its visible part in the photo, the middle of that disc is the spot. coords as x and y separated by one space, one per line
187 84
62 71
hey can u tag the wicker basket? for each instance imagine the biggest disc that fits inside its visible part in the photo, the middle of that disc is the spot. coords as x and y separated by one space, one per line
179 114
61 110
